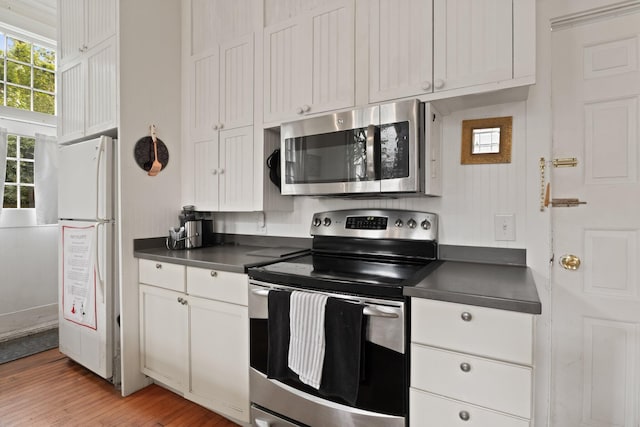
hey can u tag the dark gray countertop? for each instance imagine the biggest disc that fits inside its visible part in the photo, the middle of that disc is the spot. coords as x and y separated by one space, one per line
506 287
495 278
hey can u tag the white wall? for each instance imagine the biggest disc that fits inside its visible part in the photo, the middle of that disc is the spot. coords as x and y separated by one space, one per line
149 76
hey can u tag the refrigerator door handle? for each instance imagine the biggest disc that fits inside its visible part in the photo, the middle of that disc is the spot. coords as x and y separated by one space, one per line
97 258
100 151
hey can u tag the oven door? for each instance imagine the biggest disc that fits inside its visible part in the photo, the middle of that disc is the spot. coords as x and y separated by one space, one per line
382 394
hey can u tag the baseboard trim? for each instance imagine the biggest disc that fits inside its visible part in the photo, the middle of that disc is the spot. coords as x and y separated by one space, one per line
26 322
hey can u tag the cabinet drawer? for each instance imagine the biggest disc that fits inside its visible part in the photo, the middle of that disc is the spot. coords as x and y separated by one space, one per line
425 409
218 285
163 274
496 385
498 334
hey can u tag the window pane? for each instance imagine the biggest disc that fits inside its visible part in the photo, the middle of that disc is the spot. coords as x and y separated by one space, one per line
26 197
27 147
44 103
18 73
11 171
2 69
12 146
43 57
10 196
1 94
18 49
18 97
26 172
44 80
2 37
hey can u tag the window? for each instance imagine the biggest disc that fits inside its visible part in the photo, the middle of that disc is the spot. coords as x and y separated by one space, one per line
27 75
19 188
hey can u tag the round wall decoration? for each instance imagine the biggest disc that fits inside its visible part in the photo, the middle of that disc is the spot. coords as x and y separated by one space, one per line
144 155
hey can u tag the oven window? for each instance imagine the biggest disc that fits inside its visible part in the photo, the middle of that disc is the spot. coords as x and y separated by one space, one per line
328 157
382 388
394 150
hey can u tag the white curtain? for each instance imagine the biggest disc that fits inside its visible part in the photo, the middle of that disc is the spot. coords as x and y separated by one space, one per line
46 179
3 164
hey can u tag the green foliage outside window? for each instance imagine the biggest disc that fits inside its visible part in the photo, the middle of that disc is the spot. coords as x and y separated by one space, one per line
19 191
27 75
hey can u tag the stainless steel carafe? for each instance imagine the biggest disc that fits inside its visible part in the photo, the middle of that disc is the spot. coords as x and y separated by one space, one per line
193 234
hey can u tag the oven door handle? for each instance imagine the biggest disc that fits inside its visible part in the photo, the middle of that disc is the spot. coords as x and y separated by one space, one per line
369 310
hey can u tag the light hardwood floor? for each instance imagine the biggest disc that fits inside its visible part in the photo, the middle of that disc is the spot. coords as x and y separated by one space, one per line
48 389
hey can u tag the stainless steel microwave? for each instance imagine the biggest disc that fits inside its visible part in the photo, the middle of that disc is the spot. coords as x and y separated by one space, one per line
370 150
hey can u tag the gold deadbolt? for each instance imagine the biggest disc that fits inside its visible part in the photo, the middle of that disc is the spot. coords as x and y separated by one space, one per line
570 262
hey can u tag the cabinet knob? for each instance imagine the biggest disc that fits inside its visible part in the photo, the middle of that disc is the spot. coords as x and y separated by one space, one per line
214 171
426 85
220 125
158 266
214 273
306 108
299 110
465 367
221 171
182 300
214 127
466 316
439 83
464 415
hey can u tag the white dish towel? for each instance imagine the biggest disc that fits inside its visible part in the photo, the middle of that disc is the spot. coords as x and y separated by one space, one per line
307 342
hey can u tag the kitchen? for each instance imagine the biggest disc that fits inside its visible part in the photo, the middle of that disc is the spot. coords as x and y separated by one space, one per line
472 196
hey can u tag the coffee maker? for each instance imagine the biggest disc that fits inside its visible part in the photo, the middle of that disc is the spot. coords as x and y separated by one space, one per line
195 230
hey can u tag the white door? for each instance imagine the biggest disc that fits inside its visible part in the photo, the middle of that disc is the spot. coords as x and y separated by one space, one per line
204 83
86 294
235 174
85 179
596 307
236 83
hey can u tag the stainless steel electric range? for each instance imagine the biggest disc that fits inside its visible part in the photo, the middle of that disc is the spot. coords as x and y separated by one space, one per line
360 260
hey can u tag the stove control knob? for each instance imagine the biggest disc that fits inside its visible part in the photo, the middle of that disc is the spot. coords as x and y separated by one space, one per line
399 222
426 225
411 223
316 222
327 221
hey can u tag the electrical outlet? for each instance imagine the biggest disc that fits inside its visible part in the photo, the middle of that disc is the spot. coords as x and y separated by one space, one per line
505 227
261 223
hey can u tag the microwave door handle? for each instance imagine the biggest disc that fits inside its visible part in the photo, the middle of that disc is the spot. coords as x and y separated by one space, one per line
371 141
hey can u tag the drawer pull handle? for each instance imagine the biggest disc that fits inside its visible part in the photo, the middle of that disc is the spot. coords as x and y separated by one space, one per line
182 301
158 266
465 367
466 316
464 415
214 273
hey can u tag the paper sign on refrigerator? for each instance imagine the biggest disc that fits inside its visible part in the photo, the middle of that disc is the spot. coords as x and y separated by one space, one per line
79 278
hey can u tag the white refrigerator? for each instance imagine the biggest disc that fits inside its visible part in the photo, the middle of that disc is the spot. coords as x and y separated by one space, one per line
87 279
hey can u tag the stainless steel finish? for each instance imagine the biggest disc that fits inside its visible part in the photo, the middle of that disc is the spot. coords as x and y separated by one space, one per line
387 330
311 410
193 234
464 415
371 142
182 301
465 367
369 117
411 223
369 310
426 225
466 316
214 273
338 221
158 265
260 418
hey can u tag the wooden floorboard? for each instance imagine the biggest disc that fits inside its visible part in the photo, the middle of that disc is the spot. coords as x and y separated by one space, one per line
48 389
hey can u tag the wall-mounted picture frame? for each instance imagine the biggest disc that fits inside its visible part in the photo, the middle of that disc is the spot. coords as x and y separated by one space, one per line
486 141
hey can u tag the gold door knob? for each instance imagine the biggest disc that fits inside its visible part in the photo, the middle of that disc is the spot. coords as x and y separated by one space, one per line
570 262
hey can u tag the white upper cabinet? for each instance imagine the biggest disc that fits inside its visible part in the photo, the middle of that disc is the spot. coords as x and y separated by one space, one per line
473 42
309 63
400 49
437 49
83 25
87 72
221 88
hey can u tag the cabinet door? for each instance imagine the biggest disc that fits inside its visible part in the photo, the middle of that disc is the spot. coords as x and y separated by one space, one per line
400 49
100 21
333 61
164 336
219 356
236 169
101 88
206 174
473 42
204 99
286 70
71 96
236 83
71 22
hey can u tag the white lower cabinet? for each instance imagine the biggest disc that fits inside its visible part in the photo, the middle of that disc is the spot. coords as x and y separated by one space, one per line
470 366
194 334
